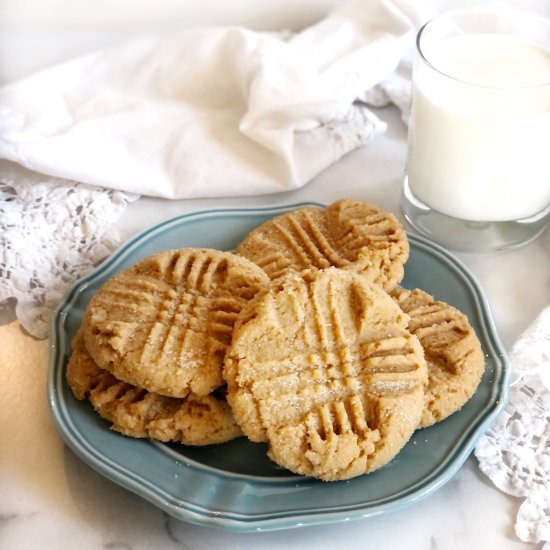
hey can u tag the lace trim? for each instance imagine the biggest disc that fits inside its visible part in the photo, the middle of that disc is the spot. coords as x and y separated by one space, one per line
52 232
515 451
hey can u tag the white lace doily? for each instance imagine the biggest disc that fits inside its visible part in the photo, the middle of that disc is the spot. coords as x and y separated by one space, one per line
515 451
52 232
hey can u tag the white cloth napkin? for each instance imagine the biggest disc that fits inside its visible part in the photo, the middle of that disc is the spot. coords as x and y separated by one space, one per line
212 112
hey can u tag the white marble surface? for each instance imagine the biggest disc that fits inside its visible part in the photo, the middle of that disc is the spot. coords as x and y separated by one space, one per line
50 499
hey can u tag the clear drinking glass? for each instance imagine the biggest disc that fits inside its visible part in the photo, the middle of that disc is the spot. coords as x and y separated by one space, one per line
478 166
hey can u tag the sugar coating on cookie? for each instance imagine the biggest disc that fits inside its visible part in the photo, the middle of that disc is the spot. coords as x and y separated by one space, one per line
452 350
323 368
135 412
165 323
350 235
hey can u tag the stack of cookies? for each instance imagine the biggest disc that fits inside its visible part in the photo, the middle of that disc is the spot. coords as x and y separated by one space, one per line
150 350
302 339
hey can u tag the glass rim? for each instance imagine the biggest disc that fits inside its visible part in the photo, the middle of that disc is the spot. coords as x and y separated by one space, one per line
454 13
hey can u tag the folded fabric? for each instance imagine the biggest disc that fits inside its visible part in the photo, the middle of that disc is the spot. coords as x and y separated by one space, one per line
213 112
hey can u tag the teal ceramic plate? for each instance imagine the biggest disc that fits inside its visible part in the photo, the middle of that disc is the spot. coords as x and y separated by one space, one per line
235 486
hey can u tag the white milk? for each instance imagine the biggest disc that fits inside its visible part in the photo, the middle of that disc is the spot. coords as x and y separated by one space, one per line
479 142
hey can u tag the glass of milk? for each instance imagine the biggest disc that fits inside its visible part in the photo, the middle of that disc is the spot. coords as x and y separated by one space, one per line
478 166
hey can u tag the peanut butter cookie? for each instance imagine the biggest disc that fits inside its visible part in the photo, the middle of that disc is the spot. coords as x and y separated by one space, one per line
452 350
165 323
323 368
135 412
350 235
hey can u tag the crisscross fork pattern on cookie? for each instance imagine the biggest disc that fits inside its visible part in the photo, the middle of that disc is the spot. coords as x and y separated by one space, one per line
332 364
166 323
